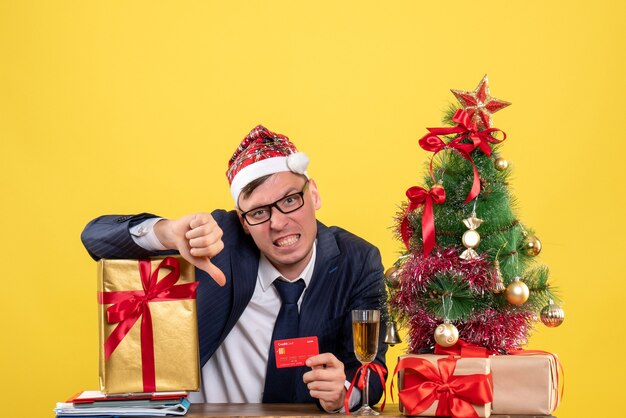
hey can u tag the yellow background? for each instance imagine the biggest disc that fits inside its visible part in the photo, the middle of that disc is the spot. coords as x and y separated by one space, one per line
125 106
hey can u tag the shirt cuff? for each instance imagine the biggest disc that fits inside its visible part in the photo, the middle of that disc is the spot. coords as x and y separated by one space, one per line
355 399
144 236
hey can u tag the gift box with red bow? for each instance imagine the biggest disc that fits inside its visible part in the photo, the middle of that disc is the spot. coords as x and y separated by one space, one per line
440 385
148 328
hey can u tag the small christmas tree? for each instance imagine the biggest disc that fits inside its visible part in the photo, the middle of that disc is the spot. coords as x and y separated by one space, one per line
469 271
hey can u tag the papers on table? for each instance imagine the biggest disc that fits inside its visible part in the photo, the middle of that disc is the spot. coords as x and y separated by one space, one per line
95 403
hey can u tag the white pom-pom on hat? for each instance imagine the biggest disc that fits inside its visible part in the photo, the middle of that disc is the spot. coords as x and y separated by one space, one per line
298 162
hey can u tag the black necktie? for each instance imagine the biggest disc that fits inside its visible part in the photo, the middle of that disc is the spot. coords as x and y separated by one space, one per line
280 383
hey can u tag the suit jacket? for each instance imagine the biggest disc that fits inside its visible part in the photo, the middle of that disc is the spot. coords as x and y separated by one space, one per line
347 275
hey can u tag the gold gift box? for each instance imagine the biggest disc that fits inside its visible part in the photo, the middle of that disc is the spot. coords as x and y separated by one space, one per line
524 384
175 330
464 366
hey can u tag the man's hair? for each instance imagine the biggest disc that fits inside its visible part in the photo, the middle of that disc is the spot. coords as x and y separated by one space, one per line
247 190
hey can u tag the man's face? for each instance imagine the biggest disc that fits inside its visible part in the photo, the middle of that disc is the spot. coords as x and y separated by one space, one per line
287 238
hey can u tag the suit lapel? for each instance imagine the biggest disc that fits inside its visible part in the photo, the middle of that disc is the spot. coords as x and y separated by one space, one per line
214 303
323 282
244 264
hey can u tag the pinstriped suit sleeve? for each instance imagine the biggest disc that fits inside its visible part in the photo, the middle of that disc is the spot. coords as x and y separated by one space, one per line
109 237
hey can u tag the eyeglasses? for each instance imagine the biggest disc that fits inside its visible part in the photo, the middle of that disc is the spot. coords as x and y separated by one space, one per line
287 204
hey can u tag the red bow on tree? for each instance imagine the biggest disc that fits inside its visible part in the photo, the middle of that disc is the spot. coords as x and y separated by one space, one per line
465 129
419 196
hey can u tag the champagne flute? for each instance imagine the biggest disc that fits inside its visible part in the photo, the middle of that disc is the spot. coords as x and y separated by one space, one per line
365 328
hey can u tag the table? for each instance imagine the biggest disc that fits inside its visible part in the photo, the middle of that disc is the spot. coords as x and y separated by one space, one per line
290 411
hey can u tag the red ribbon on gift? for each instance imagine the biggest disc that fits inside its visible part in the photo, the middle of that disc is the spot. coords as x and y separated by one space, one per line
361 374
455 394
464 129
463 349
419 196
128 305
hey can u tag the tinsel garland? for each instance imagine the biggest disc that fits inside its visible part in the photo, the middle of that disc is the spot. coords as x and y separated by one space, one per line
500 331
418 271
496 329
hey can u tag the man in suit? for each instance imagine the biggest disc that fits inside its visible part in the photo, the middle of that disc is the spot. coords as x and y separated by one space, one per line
245 259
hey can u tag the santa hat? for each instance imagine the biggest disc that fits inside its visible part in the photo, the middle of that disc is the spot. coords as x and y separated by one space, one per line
261 153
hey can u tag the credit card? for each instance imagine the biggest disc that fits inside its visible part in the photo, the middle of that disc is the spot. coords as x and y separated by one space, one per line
293 352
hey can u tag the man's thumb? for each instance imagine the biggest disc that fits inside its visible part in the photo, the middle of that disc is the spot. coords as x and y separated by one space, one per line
204 263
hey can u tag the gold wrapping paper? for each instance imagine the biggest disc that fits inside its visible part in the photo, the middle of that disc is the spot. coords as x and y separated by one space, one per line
174 327
464 366
524 384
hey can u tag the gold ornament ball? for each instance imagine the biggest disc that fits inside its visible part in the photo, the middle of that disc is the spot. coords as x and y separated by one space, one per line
517 292
470 238
446 335
393 276
552 315
532 246
501 164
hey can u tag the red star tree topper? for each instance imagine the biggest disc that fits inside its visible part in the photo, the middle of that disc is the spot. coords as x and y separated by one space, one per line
479 104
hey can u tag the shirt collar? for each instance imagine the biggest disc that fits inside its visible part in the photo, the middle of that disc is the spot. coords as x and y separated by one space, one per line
268 273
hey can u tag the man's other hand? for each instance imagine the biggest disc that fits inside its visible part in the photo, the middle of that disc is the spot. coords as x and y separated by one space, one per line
326 381
197 237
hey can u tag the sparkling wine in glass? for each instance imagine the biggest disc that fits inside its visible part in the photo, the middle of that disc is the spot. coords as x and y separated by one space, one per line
365 328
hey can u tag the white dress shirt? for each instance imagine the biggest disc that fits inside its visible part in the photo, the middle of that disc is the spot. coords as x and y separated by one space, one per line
235 373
